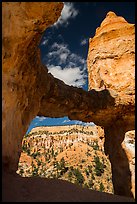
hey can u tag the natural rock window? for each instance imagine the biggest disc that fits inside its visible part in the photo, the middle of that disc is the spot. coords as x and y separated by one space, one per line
29 90
74 153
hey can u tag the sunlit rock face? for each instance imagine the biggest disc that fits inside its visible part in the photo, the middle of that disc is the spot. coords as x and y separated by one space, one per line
22 82
111 58
28 90
111 66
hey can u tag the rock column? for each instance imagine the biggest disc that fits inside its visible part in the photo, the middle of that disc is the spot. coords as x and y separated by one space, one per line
111 66
121 175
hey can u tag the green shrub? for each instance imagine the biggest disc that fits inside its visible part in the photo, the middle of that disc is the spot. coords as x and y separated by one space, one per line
70 175
99 166
86 185
24 147
87 172
93 177
90 168
90 183
88 153
101 188
52 152
28 151
96 147
35 154
35 171
21 171
38 162
79 177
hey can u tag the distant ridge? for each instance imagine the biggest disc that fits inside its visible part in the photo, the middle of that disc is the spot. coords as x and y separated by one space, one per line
64 128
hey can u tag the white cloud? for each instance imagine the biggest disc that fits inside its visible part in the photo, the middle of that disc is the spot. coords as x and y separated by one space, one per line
76 58
63 57
40 118
79 123
68 12
84 42
89 123
60 52
70 76
59 46
66 121
85 124
65 65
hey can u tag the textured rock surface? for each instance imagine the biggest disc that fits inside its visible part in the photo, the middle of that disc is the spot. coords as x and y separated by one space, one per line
111 66
111 58
22 81
28 90
121 173
77 145
129 146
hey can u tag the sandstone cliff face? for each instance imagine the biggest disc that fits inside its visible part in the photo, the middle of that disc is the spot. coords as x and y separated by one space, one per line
44 149
22 27
111 62
28 90
111 66
111 58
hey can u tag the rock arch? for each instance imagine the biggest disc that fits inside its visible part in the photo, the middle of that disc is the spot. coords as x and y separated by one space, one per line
28 90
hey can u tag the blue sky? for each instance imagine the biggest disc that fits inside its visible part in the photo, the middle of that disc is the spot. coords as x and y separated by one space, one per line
64 45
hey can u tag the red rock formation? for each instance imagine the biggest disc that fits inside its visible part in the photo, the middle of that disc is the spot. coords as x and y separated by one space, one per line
128 145
111 62
111 58
111 66
22 74
28 90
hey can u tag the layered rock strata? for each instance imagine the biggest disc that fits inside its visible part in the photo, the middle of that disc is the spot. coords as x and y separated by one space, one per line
111 58
111 66
28 90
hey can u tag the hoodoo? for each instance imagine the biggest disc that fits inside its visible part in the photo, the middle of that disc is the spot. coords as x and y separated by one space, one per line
111 66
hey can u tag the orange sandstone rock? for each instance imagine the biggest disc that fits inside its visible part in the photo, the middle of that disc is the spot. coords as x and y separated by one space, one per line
111 58
28 90
111 66
22 82
129 146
